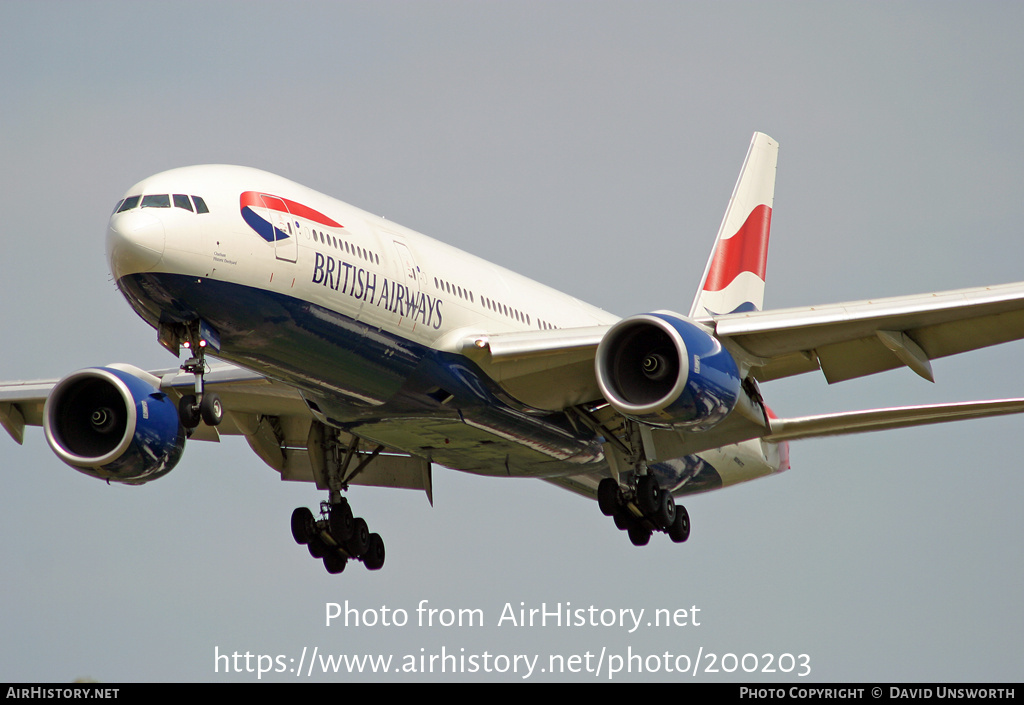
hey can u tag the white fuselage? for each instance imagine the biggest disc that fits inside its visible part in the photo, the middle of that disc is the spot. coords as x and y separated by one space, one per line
271 258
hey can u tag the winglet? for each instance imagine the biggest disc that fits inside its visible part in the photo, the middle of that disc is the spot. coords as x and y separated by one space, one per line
734 277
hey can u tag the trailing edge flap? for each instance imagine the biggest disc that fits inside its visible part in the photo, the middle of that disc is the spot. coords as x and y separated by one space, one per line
885 419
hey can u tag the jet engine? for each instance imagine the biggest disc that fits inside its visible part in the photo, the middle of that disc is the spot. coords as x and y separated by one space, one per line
115 425
664 370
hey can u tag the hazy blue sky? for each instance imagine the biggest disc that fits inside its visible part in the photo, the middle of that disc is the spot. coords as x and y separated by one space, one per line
589 145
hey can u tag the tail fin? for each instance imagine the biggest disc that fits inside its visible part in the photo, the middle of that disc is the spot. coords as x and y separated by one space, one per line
734 277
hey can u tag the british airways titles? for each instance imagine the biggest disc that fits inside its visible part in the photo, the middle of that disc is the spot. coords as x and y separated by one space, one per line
365 285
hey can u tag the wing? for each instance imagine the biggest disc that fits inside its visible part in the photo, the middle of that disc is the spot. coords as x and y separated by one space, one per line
247 395
554 369
272 416
546 369
861 338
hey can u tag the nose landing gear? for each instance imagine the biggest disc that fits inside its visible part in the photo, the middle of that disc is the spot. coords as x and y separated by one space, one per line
201 406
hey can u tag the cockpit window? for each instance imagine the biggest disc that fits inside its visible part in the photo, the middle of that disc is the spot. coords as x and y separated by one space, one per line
128 203
160 200
163 200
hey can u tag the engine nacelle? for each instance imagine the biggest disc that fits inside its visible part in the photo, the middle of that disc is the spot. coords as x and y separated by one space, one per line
664 370
114 425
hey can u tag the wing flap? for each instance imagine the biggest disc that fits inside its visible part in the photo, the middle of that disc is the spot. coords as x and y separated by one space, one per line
13 422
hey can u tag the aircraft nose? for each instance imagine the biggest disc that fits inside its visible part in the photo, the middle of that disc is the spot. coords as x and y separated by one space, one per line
135 242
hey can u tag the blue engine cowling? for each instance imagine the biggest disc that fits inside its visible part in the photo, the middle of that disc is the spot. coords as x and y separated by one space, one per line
664 370
111 424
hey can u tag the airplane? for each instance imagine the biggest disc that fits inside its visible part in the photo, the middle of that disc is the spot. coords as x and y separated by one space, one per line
349 350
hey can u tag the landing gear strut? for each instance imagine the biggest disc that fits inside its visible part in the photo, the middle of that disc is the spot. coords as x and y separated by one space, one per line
643 509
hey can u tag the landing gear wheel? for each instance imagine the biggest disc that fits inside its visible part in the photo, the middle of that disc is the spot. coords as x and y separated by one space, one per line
303 526
608 496
680 529
647 493
211 410
188 411
358 542
373 559
341 522
639 535
317 547
665 515
622 519
334 562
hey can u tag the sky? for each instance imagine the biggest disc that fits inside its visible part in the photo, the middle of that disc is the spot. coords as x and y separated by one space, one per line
591 146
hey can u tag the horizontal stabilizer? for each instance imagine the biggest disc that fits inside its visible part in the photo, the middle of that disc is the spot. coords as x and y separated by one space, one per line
885 419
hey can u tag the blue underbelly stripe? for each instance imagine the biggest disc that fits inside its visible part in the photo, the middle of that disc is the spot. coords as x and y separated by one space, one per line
360 375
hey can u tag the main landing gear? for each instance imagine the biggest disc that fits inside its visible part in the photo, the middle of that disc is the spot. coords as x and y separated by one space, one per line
337 536
643 509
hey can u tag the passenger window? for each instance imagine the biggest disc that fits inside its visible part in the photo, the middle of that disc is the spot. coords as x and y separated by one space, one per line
200 205
181 201
129 203
158 200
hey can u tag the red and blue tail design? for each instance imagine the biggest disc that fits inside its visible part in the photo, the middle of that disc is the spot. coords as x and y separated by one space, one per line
278 209
735 274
